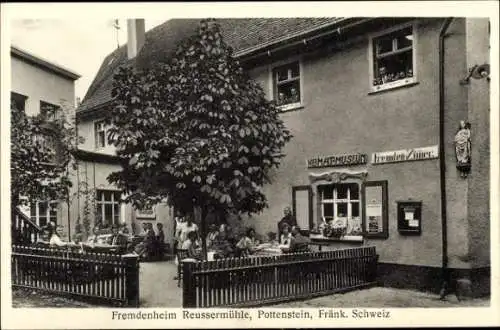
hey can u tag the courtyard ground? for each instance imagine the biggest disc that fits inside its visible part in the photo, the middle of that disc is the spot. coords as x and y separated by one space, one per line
159 289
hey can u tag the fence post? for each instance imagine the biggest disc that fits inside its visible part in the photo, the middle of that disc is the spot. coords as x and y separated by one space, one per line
188 284
131 279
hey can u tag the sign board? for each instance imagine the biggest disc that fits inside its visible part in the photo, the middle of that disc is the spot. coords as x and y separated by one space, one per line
146 213
405 155
337 160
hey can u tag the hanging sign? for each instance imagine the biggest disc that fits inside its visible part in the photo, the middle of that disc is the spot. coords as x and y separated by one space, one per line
337 160
405 155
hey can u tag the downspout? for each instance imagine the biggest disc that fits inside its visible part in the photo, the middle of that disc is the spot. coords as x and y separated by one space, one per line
442 160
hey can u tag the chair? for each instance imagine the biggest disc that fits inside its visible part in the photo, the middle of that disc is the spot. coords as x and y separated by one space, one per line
181 255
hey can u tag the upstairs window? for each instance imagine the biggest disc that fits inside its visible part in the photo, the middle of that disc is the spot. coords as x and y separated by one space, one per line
100 134
18 101
286 85
50 111
393 58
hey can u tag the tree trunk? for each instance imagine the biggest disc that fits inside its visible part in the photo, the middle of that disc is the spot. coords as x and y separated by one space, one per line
200 214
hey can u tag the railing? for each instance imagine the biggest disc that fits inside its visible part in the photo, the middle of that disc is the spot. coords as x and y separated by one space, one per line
101 278
24 231
259 281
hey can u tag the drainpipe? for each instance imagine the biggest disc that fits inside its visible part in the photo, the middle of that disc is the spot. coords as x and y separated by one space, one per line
442 160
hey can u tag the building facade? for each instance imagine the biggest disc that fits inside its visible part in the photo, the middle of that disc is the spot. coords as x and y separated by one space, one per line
379 108
37 83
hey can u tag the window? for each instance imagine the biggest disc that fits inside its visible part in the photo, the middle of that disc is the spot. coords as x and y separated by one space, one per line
286 85
43 212
340 206
393 59
108 206
100 134
375 219
18 101
50 111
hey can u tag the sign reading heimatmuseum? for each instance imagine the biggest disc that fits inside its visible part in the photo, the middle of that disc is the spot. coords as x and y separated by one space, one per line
405 155
337 160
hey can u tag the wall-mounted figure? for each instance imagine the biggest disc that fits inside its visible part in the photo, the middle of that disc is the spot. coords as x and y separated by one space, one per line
463 148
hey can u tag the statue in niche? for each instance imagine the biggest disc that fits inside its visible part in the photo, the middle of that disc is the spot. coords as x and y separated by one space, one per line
463 148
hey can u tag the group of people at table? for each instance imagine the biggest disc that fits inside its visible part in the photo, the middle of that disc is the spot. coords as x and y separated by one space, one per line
145 244
223 242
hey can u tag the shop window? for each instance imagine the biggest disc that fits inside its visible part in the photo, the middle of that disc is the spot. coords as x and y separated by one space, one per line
286 86
375 218
42 213
340 206
18 101
100 134
108 206
392 56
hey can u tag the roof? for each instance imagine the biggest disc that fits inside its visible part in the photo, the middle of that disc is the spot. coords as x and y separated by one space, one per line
244 35
43 63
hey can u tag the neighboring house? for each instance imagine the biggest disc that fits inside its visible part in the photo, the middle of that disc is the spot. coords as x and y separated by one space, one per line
374 105
38 84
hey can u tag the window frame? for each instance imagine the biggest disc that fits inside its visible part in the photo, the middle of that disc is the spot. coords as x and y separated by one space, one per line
96 134
17 97
113 202
35 206
335 201
273 83
57 109
408 81
384 234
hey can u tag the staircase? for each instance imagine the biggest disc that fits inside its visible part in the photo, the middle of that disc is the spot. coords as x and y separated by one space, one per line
23 230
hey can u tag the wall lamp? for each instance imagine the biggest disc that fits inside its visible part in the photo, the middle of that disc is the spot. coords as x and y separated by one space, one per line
477 72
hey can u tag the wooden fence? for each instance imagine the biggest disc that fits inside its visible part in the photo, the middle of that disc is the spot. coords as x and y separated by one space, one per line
102 278
257 281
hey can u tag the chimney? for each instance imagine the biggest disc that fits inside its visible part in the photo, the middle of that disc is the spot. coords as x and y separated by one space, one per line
136 31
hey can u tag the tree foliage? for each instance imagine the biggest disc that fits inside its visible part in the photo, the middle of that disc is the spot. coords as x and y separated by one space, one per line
195 129
41 153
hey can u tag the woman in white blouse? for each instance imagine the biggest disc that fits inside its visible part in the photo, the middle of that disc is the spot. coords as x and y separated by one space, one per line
54 239
286 237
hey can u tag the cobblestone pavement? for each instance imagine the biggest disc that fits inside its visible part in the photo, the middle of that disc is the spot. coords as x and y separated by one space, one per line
159 289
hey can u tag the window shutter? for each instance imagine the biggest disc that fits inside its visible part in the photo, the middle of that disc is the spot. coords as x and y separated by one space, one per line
375 218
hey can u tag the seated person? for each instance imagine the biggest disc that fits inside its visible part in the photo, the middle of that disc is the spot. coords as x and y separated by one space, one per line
190 246
212 235
271 239
144 248
117 238
93 239
286 237
247 244
298 243
222 247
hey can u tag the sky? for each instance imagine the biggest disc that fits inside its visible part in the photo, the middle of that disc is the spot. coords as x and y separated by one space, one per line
78 45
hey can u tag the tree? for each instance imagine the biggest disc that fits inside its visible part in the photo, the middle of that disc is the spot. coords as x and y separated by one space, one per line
195 129
42 155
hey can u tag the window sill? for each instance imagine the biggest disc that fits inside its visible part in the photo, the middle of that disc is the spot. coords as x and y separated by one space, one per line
407 82
346 238
290 107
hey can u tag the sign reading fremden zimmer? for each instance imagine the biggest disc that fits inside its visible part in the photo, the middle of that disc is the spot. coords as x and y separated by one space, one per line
405 155
337 160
